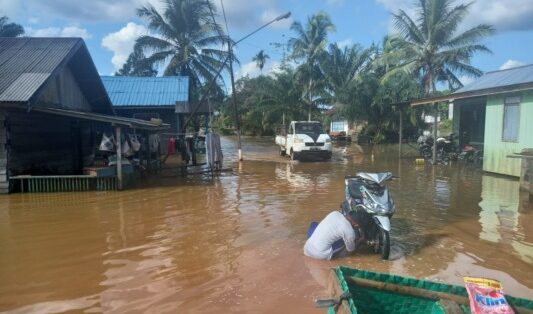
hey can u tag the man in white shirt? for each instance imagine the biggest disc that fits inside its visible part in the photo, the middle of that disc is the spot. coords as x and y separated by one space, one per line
334 233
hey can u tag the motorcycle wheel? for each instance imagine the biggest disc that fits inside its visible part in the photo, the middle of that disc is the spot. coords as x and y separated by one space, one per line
383 244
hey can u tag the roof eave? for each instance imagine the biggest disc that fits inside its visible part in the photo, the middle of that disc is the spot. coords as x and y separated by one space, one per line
474 93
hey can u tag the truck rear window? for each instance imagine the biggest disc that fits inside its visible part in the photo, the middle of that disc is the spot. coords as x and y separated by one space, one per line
308 128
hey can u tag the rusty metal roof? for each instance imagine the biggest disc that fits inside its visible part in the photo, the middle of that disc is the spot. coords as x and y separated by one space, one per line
135 91
26 64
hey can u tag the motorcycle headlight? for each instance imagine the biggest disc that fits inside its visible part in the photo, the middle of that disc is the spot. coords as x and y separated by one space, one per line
298 140
380 209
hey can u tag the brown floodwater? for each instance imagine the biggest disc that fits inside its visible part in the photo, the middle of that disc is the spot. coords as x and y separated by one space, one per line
234 243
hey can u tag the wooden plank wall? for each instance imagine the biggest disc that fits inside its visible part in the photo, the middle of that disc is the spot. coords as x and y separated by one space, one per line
43 144
64 92
4 181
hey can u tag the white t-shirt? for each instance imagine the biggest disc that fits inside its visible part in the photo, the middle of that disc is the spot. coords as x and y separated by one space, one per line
331 229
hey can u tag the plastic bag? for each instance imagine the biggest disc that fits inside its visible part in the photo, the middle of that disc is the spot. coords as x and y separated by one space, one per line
486 296
135 145
108 143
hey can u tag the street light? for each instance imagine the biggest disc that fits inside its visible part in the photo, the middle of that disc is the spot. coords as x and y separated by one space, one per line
233 90
214 78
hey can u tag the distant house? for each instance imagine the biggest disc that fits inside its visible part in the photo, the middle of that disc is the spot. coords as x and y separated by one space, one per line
148 97
53 106
165 98
495 113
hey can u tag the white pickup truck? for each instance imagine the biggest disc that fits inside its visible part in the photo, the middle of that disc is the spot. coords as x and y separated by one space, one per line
305 139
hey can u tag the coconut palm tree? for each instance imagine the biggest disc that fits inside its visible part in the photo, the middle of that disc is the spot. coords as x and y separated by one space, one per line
309 45
340 68
10 29
430 46
260 60
185 39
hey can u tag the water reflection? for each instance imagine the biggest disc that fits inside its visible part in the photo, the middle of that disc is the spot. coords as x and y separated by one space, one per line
500 217
234 244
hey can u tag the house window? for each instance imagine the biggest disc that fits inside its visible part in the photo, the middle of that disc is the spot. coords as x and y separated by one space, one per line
511 119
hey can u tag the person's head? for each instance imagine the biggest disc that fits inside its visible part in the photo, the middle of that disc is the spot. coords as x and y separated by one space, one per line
351 217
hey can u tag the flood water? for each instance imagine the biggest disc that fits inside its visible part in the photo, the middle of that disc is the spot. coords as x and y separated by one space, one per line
234 243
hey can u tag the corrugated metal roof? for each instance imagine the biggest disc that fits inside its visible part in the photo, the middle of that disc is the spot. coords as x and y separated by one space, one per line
491 83
513 76
120 121
146 91
27 63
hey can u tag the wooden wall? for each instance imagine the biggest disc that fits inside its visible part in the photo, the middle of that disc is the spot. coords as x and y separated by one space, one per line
44 144
63 92
4 181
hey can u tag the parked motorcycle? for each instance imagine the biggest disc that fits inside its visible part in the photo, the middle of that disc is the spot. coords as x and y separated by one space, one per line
446 150
367 195
425 146
471 154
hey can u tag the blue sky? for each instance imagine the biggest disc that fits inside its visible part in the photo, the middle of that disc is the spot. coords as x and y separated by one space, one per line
109 27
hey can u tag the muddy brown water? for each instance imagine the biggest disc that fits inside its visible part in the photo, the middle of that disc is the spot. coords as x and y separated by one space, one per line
234 244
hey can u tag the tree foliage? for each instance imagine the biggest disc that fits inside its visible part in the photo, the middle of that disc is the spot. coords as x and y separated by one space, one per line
260 59
10 29
186 40
430 47
136 65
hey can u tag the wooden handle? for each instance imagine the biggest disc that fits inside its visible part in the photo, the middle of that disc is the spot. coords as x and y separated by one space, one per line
423 293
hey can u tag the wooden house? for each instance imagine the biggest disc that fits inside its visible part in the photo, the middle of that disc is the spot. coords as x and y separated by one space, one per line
52 105
165 98
494 113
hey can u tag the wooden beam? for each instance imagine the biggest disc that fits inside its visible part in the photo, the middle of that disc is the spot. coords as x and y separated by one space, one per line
119 157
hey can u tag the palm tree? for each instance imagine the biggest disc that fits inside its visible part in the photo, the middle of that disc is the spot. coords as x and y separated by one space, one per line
309 45
430 46
185 40
10 29
260 59
340 68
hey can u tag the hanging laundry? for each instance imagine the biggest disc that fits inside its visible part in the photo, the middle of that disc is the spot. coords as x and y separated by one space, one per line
171 146
107 143
126 149
134 141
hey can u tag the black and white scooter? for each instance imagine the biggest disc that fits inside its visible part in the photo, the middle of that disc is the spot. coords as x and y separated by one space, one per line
367 195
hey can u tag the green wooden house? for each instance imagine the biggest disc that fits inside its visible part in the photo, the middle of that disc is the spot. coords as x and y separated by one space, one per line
495 113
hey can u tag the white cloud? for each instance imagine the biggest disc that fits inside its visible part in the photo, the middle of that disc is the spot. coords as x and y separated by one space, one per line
68 31
504 15
247 14
345 43
121 42
271 14
511 64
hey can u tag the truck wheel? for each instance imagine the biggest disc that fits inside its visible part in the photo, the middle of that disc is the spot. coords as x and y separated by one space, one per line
282 152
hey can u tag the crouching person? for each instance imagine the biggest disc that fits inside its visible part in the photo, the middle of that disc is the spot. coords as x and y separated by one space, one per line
335 233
